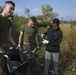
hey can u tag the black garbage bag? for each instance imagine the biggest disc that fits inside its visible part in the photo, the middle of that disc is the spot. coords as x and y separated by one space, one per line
18 62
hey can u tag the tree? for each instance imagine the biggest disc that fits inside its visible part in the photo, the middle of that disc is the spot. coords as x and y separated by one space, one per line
54 15
47 11
39 17
1 8
27 10
19 21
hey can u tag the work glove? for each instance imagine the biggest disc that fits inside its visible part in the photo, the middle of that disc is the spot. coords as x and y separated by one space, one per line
17 47
43 36
38 47
45 41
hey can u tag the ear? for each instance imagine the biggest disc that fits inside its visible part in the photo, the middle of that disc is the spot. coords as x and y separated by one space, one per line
4 6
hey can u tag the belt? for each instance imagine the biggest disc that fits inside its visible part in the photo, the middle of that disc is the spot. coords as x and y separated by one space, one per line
26 43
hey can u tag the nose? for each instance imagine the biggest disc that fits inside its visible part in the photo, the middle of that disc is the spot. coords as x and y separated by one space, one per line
12 10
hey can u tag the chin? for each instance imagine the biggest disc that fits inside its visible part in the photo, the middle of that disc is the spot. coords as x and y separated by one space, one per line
9 13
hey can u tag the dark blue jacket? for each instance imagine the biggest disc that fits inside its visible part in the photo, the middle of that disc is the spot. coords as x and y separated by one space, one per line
54 37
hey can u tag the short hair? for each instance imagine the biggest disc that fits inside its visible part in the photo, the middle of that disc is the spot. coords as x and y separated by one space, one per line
33 18
10 2
56 21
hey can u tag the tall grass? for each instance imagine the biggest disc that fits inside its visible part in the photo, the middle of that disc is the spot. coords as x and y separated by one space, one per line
67 62
68 50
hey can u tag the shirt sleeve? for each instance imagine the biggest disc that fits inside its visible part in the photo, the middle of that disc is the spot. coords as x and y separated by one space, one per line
36 29
23 28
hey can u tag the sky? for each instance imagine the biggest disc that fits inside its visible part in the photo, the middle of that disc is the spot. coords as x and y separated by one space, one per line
65 8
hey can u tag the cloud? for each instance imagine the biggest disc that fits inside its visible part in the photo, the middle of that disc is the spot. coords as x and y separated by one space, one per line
36 11
19 11
33 11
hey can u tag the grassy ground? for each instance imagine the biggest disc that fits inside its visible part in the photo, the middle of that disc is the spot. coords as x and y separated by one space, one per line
67 62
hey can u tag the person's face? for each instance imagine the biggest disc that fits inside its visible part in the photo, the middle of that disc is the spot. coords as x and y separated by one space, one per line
54 25
31 23
11 19
9 9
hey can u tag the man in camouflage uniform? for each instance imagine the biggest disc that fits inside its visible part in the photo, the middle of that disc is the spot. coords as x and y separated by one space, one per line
30 41
29 34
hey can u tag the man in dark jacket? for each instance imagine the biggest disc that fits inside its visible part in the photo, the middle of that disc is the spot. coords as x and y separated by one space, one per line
54 37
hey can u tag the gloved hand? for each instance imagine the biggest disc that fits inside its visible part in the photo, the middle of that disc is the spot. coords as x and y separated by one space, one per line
43 36
38 47
45 41
17 47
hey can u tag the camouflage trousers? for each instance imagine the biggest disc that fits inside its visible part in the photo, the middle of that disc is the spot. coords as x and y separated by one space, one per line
29 47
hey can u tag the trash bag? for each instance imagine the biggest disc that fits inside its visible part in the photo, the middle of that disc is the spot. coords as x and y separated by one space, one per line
18 62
